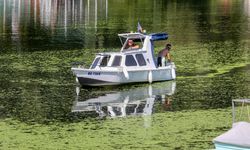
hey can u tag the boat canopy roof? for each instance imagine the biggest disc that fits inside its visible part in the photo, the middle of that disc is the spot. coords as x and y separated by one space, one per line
154 36
139 39
159 36
132 35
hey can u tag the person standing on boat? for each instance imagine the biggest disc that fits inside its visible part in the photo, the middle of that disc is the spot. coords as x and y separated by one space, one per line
163 54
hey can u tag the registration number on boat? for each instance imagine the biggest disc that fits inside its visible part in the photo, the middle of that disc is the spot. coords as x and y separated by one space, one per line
94 73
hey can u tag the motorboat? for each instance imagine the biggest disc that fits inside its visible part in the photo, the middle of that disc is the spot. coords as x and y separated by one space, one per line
129 65
121 103
238 137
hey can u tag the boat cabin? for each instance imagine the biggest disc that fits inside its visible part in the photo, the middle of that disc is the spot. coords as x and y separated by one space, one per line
118 59
138 55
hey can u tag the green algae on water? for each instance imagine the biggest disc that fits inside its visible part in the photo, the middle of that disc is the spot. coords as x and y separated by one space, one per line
193 129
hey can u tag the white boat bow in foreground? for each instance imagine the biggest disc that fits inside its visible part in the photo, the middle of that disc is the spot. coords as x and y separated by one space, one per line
238 137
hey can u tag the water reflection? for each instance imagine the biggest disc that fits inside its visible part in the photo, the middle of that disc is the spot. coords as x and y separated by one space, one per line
62 24
51 23
138 101
54 12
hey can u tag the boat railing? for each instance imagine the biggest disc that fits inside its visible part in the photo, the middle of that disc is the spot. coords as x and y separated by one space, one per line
243 113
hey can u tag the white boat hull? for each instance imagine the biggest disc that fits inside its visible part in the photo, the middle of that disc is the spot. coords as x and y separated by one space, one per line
93 77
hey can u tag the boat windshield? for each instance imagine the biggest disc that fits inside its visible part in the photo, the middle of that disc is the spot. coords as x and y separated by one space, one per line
95 62
105 60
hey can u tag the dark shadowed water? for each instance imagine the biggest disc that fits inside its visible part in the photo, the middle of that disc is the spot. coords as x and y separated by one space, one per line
30 25
39 39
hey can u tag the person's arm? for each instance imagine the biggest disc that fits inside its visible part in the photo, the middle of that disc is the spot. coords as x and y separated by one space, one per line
136 46
168 57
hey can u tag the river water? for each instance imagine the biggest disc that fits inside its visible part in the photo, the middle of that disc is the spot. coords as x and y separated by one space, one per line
39 40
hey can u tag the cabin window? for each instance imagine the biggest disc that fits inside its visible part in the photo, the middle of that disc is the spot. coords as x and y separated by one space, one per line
140 59
95 63
130 61
117 61
105 61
